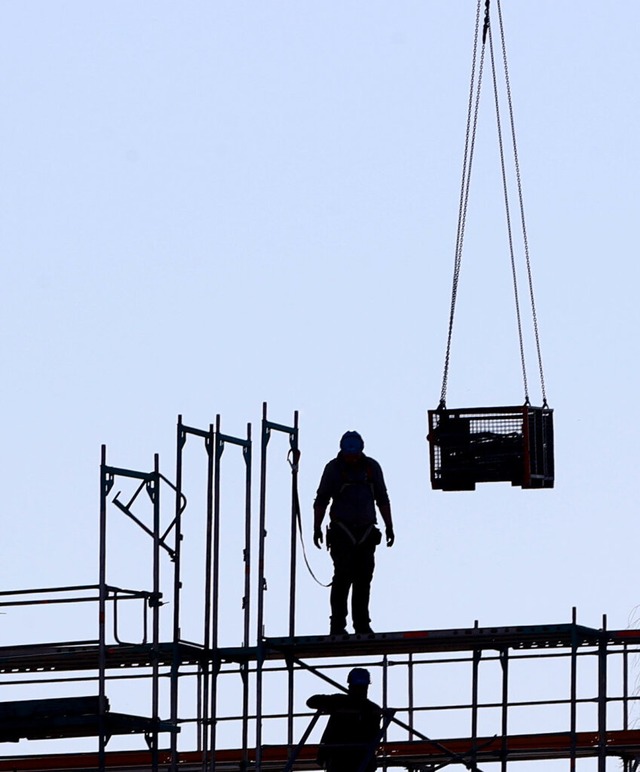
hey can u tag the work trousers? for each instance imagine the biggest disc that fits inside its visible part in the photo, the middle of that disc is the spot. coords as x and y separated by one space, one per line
353 565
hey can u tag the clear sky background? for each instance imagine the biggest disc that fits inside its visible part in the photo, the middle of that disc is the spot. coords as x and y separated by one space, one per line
208 205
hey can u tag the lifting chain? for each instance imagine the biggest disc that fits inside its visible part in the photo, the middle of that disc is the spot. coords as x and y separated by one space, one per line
472 120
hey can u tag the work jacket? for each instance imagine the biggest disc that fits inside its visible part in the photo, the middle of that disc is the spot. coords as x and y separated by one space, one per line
352 732
353 489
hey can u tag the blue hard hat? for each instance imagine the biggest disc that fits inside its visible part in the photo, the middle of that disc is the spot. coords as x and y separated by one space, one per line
359 676
351 442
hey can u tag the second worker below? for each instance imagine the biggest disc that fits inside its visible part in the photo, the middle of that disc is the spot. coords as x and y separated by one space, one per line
354 484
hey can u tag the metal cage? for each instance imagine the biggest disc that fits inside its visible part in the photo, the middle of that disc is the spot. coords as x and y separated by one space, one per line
491 444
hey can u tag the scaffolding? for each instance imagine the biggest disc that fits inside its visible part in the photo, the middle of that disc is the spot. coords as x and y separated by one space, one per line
477 697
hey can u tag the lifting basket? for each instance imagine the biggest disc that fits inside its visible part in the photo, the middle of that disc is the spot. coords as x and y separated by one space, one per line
485 444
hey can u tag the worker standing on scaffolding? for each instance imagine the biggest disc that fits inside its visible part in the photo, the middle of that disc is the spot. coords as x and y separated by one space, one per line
352 734
354 484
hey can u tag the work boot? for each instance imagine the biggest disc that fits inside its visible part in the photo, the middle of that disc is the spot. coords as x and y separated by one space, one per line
338 624
364 630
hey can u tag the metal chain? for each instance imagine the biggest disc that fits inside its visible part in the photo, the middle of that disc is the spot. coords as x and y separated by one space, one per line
470 136
505 189
521 203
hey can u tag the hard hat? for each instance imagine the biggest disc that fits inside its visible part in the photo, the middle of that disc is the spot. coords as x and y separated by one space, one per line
359 677
351 442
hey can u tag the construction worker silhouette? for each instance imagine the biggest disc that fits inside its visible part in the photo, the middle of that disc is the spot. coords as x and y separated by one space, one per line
354 484
352 734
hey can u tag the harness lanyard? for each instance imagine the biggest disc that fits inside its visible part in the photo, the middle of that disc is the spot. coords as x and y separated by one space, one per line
293 463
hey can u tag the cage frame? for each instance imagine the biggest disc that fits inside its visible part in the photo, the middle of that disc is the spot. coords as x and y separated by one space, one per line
523 456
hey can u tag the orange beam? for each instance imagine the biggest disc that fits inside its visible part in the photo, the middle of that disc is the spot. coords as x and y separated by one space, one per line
622 743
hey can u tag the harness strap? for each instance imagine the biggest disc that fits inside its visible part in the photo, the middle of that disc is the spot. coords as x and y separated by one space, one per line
368 478
352 538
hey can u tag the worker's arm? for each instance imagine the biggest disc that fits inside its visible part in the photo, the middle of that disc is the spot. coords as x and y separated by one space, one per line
318 517
382 500
326 702
385 512
318 701
334 703
323 497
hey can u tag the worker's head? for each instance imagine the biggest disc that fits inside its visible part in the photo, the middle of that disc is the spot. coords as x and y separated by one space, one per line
359 680
351 445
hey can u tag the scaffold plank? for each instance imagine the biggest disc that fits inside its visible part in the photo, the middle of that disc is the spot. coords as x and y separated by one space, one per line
426 641
68 657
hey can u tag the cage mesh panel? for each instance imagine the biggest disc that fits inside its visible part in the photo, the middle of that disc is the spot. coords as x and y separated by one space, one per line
472 445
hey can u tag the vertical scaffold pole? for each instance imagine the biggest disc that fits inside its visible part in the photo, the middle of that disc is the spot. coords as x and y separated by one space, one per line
625 695
295 456
602 698
477 654
219 449
209 445
504 662
410 688
294 452
106 481
246 601
385 688
154 492
265 434
574 691
177 550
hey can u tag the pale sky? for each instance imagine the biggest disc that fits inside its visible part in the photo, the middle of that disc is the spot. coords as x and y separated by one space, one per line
206 205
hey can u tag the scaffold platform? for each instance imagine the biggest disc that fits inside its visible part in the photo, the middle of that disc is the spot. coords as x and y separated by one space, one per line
85 655
473 643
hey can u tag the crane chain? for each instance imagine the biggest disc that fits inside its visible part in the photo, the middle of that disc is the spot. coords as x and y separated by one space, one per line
470 137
